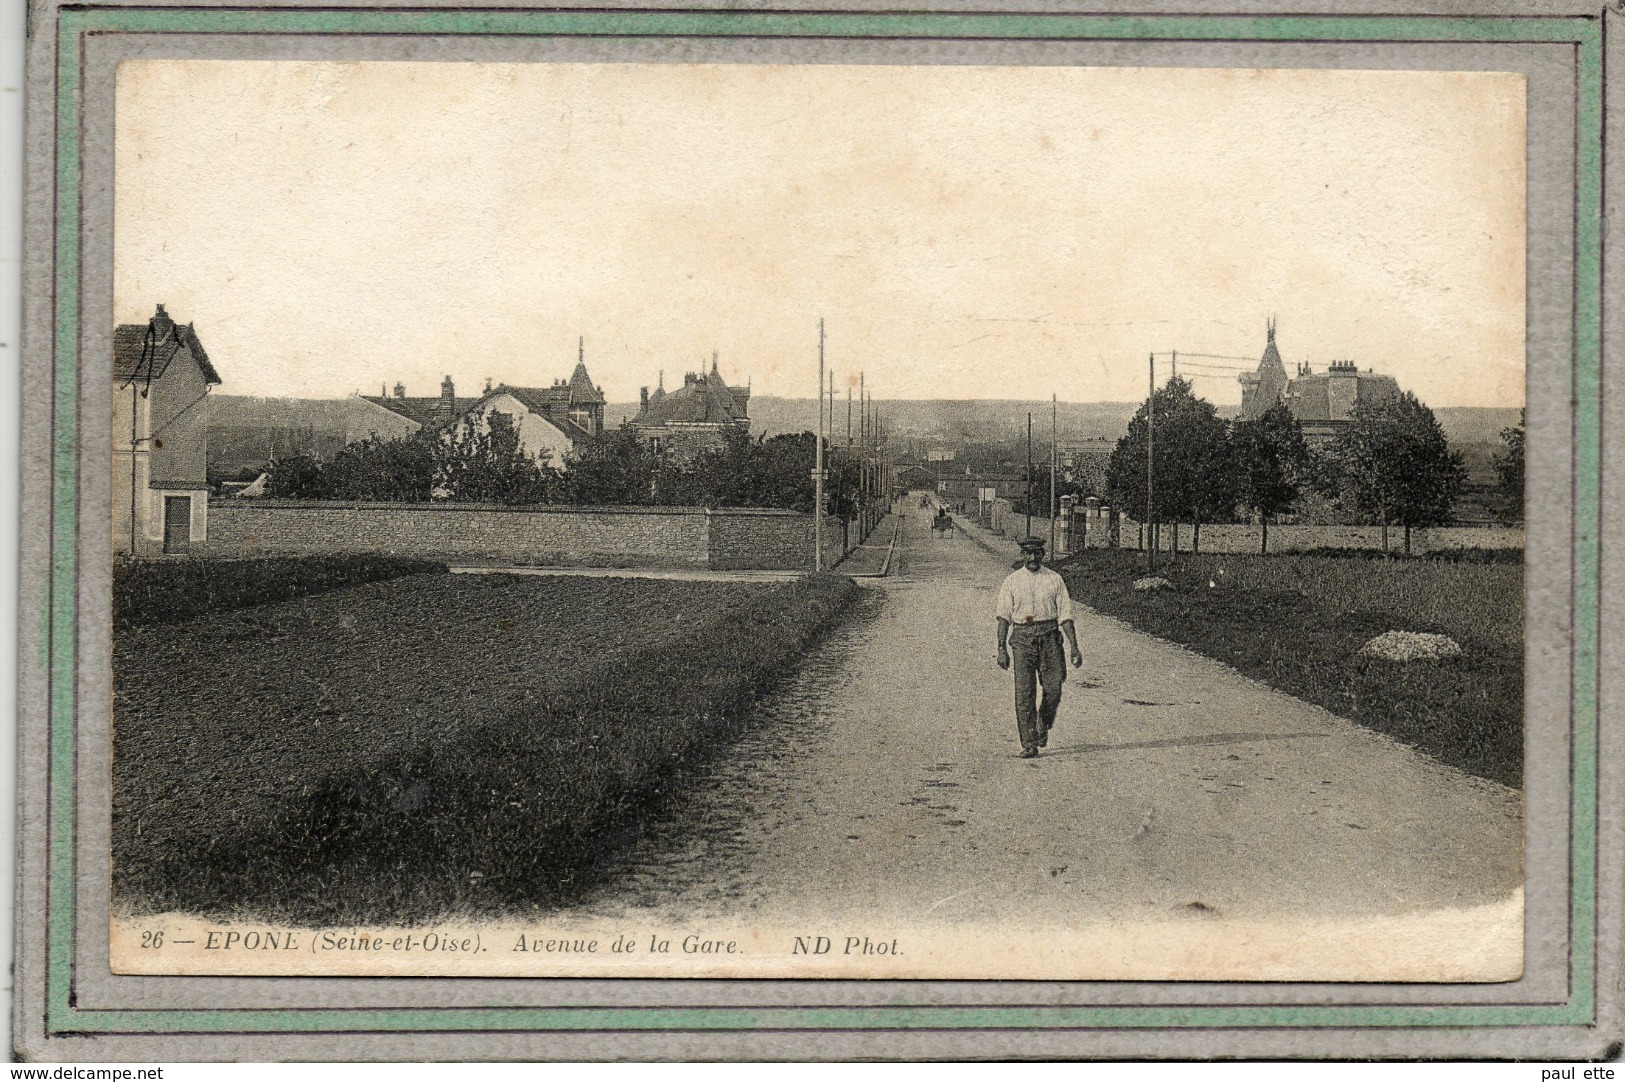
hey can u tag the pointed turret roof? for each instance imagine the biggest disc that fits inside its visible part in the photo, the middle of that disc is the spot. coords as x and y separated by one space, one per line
1272 356
1264 387
581 388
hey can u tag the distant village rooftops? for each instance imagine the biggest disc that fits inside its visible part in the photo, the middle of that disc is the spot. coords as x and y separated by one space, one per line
574 401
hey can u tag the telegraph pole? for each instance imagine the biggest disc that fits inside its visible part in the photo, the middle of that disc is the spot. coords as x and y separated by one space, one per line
1150 447
1054 454
818 463
1029 473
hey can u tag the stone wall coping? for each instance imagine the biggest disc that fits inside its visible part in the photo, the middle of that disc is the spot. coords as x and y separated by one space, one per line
528 509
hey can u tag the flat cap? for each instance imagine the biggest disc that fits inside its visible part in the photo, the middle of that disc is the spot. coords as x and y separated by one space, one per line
1031 544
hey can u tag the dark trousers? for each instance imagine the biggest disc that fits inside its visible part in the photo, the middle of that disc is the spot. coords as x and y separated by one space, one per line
1039 659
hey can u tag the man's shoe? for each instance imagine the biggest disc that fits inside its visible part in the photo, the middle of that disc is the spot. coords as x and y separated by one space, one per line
1029 753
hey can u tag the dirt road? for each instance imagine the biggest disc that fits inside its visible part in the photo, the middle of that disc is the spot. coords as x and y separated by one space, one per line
884 781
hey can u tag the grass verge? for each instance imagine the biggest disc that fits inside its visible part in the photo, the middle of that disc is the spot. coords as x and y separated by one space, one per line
149 592
1297 623
430 745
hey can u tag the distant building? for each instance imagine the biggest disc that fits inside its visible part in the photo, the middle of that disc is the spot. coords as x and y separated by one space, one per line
161 382
970 487
694 418
1323 403
916 478
434 412
551 419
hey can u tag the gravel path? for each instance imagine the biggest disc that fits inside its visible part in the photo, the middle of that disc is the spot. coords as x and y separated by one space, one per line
883 782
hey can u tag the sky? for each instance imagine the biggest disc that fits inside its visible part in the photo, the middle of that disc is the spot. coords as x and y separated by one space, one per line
963 232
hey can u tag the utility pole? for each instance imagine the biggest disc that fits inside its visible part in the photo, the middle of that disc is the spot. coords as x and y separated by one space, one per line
1029 473
849 414
863 413
1175 355
826 411
1150 449
818 463
1054 454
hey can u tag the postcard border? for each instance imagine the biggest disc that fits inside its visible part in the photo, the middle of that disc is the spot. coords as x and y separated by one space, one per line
63 1016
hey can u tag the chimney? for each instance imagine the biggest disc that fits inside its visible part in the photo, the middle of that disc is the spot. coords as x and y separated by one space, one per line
162 325
448 396
643 397
400 390
383 390
487 384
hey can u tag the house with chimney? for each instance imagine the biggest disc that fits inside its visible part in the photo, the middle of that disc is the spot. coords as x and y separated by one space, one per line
550 420
693 418
161 381
423 412
1322 402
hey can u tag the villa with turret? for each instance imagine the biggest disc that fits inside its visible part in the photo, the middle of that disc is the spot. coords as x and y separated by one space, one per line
695 417
1322 402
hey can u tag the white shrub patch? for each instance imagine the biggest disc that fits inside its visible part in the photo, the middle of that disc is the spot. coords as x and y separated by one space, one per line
1411 646
1151 584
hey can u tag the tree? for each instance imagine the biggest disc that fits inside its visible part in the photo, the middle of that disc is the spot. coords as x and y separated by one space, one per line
744 472
1201 445
1509 467
611 469
482 461
1393 463
400 469
1273 462
1192 476
294 478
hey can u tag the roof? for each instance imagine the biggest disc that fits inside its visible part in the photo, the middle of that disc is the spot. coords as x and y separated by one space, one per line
130 353
1309 396
1262 388
425 411
581 388
552 403
702 399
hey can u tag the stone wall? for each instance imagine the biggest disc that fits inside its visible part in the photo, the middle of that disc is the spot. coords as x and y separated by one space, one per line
1301 538
570 536
751 539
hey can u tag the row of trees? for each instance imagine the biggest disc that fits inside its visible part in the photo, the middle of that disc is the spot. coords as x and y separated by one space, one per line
488 464
1391 465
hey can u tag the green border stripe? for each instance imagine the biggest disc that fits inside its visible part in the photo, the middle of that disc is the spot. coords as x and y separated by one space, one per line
1587 526
758 24
60 613
64 537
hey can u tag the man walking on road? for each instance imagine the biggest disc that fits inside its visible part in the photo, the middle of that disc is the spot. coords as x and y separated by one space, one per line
1034 611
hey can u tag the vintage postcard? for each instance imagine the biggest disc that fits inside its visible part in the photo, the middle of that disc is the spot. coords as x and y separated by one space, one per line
852 503
470 613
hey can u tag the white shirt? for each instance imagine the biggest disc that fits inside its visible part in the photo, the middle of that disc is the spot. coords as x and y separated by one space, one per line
1026 597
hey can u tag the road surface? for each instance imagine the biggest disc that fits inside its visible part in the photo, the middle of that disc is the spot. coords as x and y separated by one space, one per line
883 783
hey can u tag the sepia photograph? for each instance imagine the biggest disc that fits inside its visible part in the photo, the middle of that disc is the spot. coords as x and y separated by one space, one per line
766 520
